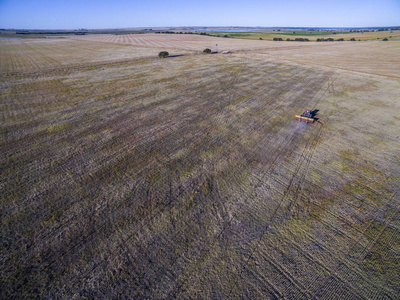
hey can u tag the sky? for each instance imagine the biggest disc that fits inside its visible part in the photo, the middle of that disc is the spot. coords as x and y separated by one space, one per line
100 14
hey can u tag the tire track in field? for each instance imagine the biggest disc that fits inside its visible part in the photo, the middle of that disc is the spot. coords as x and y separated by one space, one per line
336 272
230 143
315 138
365 252
62 137
373 218
129 145
142 170
180 288
230 221
271 289
280 274
94 230
308 160
352 290
338 216
309 149
125 241
113 155
309 152
352 240
281 151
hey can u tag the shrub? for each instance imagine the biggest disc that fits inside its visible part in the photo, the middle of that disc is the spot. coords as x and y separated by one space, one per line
353 39
207 50
385 39
163 54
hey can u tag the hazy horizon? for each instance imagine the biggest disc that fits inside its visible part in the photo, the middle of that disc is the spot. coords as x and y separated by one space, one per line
228 27
70 15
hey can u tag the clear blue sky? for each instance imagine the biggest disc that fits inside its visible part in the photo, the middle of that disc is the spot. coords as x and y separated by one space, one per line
74 14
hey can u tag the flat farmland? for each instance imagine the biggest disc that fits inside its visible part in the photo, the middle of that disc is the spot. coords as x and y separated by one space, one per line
393 35
19 55
188 177
192 42
375 57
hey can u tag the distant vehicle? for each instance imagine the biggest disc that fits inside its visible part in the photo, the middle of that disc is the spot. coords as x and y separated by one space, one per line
225 52
306 116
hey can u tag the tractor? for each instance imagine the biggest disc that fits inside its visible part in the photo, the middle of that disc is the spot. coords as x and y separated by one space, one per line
306 116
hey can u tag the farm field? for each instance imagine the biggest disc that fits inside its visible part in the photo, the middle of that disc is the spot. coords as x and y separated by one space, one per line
125 176
392 35
381 58
19 55
37 54
377 57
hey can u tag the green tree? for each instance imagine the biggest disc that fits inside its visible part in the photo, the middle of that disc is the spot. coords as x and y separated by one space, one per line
163 54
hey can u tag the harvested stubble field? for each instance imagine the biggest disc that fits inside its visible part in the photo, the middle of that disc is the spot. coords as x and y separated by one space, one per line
20 55
182 41
188 177
377 57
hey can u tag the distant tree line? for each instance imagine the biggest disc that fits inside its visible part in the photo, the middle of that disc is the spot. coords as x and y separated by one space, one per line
325 40
298 40
362 30
331 40
294 40
166 32
186 32
318 40
51 32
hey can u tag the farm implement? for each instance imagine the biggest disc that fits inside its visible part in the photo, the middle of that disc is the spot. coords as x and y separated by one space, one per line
306 116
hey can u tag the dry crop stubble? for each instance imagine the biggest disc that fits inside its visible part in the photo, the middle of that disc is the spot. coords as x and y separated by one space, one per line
377 58
189 177
373 57
21 55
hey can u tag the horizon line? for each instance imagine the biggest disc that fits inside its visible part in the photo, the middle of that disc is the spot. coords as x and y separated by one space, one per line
204 26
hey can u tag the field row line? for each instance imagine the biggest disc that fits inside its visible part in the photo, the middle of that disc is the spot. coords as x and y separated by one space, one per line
308 149
129 237
278 153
